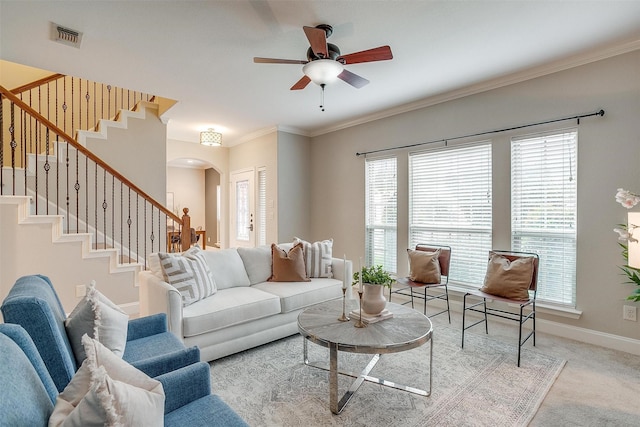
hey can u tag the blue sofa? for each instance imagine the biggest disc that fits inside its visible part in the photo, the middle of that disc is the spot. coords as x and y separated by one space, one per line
28 393
33 304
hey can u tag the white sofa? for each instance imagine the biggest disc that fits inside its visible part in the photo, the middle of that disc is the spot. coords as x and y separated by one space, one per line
247 310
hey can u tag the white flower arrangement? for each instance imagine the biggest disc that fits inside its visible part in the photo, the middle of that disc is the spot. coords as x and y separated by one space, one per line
625 234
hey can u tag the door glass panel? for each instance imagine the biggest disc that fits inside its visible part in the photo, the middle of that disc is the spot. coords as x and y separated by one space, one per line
242 210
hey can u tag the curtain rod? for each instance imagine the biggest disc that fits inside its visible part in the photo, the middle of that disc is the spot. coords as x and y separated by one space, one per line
445 140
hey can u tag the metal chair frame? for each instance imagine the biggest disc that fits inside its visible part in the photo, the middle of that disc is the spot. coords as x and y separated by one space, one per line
444 262
520 317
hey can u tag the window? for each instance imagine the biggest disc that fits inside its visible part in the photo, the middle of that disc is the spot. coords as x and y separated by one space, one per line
544 208
450 203
262 206
381 213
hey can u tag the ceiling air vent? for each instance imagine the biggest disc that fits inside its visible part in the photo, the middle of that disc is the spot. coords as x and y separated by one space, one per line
65 35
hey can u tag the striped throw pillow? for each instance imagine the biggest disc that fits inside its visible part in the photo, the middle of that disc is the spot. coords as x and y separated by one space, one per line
189 273
317 257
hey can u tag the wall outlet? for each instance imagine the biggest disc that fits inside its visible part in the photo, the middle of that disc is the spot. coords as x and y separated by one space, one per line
629 313
81 290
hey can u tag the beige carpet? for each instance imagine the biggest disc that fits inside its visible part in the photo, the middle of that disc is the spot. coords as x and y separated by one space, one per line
477 386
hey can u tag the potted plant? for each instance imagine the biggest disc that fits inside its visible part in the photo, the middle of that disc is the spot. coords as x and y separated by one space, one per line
374 280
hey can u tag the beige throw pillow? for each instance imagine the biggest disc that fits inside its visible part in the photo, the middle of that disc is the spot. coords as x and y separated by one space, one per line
317 257
424 267
508 279
107 391
288 266
189 273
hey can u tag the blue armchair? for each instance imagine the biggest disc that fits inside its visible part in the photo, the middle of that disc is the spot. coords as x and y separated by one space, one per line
28 394
33 304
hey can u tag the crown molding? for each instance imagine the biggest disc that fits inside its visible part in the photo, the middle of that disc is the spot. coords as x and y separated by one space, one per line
498 82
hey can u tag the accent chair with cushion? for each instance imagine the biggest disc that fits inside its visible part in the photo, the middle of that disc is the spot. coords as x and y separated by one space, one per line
146 343
428 270
28 396
511 278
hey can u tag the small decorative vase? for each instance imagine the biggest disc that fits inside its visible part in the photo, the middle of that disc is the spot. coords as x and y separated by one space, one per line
373 300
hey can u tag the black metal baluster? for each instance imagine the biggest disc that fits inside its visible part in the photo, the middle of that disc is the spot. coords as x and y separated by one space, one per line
47 166
129 224
36 161
77 188
12 144
104 207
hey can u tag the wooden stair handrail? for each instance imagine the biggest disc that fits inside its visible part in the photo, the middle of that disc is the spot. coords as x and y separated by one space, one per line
86 152
36 83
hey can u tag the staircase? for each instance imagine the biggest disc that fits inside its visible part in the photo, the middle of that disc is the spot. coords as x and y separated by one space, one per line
67 213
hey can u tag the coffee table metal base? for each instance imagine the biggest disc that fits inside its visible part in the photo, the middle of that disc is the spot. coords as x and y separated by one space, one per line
337 406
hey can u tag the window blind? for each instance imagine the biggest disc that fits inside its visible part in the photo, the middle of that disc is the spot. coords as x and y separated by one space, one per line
381 213
262 207
450 203
544 209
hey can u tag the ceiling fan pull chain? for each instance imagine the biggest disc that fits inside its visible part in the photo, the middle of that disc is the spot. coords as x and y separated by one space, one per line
322 97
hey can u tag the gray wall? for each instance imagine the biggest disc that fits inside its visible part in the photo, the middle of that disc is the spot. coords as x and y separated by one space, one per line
294 187
609 154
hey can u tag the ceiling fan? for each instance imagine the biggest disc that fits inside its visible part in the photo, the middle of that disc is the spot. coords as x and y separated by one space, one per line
325 63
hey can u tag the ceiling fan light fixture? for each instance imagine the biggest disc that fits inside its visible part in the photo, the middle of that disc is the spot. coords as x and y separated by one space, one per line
322 71
211 138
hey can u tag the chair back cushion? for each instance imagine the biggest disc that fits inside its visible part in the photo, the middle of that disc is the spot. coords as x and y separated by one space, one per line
27 393
444 258
33 304
509 276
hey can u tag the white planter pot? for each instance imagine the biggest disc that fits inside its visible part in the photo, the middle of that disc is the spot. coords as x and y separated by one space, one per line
373 299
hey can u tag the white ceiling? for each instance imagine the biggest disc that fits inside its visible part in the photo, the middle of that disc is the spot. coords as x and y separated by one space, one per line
201 52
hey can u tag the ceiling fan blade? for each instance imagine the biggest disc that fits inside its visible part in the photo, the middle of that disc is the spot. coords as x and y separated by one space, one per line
278 61
302 83
318 40
381 53
353 79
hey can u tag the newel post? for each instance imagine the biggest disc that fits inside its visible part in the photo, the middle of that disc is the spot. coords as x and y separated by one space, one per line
185 235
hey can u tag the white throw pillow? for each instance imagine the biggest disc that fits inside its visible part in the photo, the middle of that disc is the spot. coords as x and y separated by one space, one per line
317 257
107 391
189 273
257 262
98 317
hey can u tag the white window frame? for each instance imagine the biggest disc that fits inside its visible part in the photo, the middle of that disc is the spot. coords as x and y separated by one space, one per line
544 209
381 212
450 203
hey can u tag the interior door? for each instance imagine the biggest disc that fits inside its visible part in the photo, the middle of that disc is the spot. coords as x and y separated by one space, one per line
243 209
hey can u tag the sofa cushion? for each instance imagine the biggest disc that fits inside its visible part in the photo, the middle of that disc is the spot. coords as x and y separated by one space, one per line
257 262
228 307
98 317
317 257
227 268
297 295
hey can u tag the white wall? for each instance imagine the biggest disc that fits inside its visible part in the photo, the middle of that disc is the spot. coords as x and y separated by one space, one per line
138 152
609 154
215 157
29 249
188 188
260 152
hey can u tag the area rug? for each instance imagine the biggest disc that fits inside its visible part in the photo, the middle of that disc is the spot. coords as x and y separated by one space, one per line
478 386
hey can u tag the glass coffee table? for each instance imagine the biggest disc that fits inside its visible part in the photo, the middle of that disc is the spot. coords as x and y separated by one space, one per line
407 329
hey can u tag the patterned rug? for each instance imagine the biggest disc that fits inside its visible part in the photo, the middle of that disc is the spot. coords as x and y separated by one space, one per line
477 386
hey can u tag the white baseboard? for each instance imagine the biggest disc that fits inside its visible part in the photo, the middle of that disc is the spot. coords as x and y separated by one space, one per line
589 336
